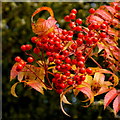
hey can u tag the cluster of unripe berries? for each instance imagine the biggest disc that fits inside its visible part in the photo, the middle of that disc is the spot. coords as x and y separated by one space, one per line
66 49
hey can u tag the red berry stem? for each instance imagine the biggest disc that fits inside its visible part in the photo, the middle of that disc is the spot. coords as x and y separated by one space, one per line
96 62
38 77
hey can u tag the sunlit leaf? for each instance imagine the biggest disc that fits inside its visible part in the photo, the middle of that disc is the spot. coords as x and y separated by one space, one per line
42 26
64 99
88 79
109 97
99 77
13 89
36 85
116 104
13 72
87 91
67 45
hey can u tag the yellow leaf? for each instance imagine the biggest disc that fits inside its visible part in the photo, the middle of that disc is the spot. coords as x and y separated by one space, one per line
67 45
88 79
64 99
74 67
20 76
13 89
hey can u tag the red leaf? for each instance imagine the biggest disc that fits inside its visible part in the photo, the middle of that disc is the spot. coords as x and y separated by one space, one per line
94 18
116 104
87 91
109 97
13 72
110 9
103 14
36 85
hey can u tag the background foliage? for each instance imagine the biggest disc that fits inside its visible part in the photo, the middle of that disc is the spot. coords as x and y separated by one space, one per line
16 30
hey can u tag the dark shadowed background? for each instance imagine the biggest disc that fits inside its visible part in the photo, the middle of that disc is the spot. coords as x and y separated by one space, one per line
16 31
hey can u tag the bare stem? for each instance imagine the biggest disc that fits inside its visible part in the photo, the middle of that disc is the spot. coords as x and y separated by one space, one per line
96 62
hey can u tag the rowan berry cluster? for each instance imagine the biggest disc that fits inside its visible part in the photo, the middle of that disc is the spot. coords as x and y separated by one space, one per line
67 50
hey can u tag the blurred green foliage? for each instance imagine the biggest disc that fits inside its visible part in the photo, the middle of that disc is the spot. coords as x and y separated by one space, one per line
16 30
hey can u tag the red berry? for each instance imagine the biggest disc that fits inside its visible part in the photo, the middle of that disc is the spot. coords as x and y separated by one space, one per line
117 7
64 32
81 58
76 77
51 41
89 70
70 82
72 16
80 35
51 35
105 22
78 28
82 70
72 24
82 77
62 57
67 66
23 47
103 26
28 47
74 61
74 46
67 73
102 34
69 38
79 42
48 53
57 75
19 67
36 50
67 60
39 44
17 59
78 53
22 63
95 39
58 61
62 85
63 77
58 67
34 39
65 52
74 11
79 21
63 66
54 80
89 41
70 32
91 10
67 18
59 91
80 64
51 59
30 59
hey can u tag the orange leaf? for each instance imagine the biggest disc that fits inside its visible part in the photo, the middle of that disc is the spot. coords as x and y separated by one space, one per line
36 85
43 26
116 104
109 97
